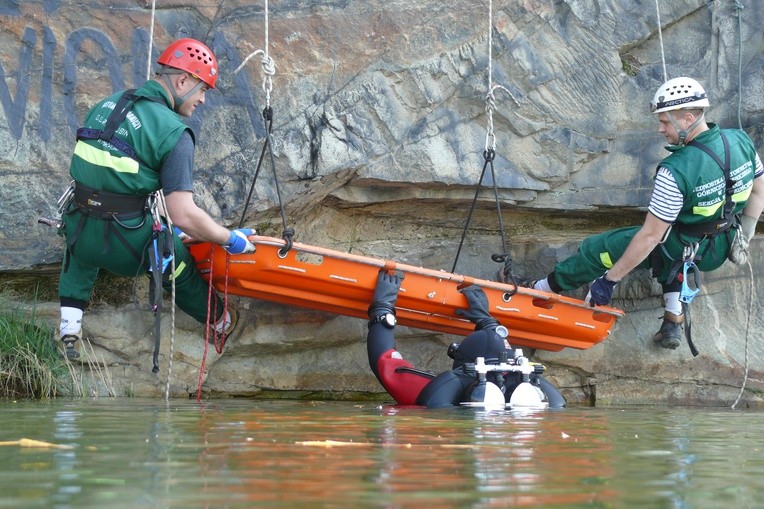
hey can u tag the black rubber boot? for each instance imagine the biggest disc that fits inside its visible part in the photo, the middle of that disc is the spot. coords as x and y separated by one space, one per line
670 334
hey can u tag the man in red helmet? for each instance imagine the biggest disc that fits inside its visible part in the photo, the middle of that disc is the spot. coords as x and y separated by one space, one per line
133 144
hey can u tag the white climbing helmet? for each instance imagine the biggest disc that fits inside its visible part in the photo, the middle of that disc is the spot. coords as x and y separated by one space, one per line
677 94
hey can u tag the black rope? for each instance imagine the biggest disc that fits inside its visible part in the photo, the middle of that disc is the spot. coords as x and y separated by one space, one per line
268 145
288 232
688 329
287 236
269 126
489 155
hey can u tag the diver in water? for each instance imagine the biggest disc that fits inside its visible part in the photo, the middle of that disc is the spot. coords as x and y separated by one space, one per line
485 366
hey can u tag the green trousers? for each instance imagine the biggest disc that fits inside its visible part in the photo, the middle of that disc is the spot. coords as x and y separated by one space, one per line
598 253
98 246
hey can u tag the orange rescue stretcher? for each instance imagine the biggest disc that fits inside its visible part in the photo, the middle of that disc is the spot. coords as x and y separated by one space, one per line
342 283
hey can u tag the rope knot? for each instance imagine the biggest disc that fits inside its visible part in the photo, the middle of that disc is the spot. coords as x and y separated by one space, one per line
269 66
287 236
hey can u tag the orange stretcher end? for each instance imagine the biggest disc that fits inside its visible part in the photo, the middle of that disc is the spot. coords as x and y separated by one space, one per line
342 283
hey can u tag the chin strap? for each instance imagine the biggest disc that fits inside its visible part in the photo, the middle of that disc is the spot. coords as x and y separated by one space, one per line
684 132
177 100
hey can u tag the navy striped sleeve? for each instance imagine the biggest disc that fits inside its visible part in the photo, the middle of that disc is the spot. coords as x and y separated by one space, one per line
667 200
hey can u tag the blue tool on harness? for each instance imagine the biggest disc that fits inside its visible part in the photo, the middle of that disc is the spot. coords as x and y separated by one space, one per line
165 253
161 253
686 294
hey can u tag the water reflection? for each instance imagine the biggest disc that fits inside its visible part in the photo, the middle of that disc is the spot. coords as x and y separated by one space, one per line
290 454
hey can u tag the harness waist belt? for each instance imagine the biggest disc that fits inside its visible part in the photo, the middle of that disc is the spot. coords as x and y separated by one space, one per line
108 203
707 228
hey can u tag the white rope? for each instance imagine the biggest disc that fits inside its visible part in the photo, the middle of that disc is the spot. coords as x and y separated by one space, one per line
163 204
151 38
268 65
490 98
660 38
160 195
747 326
739 7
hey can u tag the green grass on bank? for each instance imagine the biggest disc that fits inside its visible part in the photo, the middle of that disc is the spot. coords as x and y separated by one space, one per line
30 364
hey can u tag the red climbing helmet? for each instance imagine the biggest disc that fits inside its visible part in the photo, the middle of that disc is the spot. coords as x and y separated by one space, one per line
191 56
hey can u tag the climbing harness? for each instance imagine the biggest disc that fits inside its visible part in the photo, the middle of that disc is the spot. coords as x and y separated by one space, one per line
706 231
107 134
489 154
161 244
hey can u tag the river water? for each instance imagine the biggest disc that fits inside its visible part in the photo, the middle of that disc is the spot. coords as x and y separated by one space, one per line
244 453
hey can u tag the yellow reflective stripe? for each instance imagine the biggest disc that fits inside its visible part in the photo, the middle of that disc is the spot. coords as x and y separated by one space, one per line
742 195
606 261
104 158
178 270
707 211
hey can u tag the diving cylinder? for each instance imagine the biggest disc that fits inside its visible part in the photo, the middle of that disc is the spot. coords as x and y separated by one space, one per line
526 395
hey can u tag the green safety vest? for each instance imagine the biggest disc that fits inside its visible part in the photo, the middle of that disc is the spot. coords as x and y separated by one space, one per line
703 185
701 180
151 128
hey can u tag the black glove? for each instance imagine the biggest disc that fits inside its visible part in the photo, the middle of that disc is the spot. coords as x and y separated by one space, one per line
601 291
477 312
386 292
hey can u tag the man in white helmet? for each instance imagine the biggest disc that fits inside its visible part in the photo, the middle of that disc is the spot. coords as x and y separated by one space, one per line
708 196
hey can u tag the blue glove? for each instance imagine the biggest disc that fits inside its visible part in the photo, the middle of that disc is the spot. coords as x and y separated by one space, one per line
477 312
386 291
601 291
238 243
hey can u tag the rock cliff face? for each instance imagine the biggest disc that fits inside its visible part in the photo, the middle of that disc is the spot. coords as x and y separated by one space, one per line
380 124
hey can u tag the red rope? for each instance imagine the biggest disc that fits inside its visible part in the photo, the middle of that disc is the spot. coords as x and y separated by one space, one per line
218 338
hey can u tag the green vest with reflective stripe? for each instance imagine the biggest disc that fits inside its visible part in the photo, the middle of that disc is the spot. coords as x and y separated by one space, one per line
701 180
152 128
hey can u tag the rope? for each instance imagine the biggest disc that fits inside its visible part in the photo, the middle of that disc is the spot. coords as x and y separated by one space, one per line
151 37
207 328
489 154
660 38
268 65
739 7
218 338
269 70
747 328
490 98
163 204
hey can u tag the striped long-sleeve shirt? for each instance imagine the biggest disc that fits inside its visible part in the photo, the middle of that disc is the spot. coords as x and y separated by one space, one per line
666 201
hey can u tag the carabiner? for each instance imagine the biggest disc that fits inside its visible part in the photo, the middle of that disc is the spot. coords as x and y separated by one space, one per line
690 251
